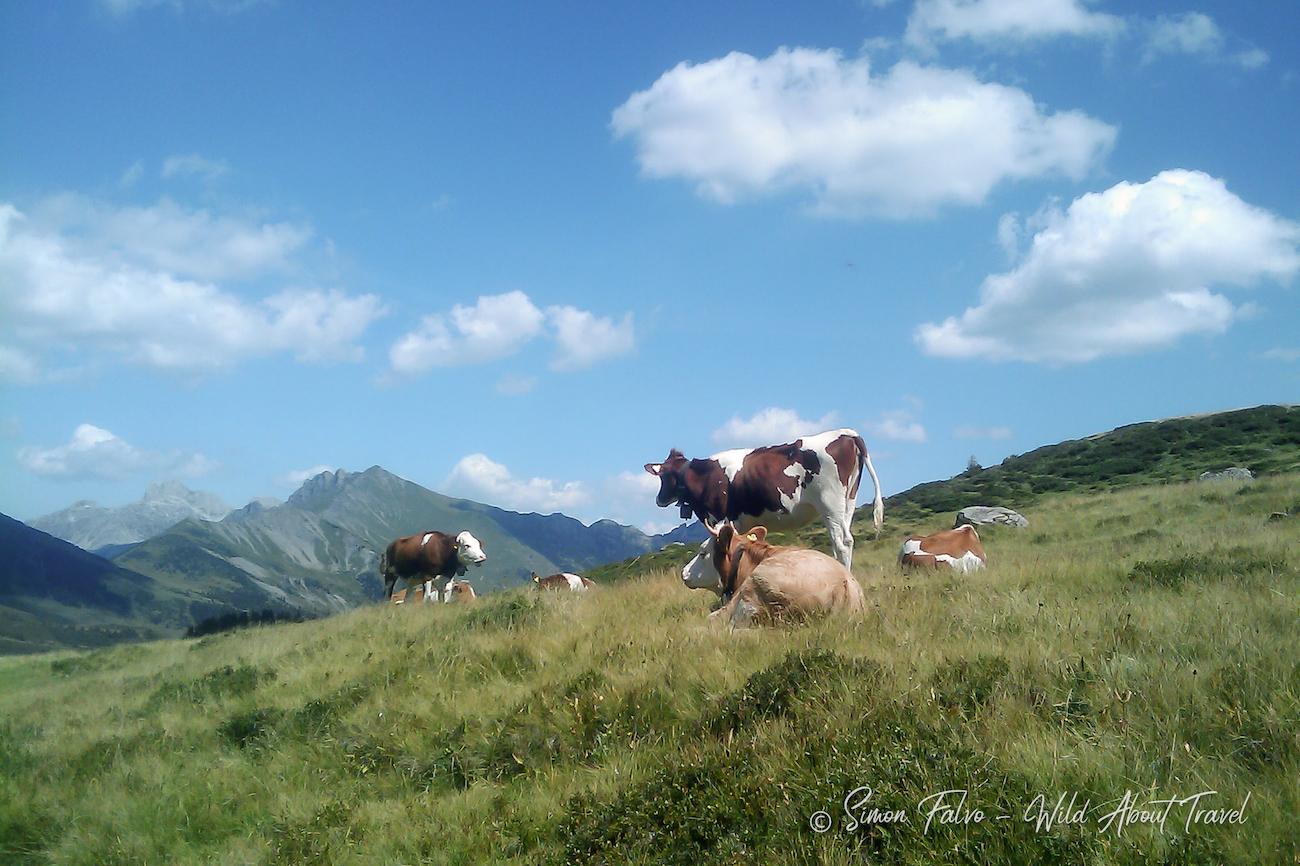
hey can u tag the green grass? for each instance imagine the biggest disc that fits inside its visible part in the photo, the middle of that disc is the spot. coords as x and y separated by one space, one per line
1142 640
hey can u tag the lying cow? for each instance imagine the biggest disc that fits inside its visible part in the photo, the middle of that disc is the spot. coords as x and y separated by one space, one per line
958 548
459 592
782 486
429 558
763 583
563 582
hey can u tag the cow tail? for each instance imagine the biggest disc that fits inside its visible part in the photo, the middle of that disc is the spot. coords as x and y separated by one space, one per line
383 571
878 504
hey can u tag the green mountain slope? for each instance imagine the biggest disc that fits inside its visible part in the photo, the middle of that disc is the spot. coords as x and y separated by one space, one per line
1264 439
54 594
1138 640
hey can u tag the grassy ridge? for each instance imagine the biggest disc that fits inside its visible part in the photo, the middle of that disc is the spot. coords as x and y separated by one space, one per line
1138 640
1265 439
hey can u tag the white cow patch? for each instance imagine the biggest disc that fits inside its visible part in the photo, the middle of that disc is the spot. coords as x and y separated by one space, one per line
426 538
575 582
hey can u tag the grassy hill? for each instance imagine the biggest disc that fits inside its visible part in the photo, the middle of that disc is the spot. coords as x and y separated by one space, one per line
1265 439
1140 640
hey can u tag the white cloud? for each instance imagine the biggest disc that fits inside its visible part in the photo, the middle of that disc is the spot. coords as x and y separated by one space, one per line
132 175
494 327
972 431
770 426
1015 21
192 244
583 338
18 366
294 478
1121 271
897 144
86 278
1196 34
94 452
898 425
193 165
498 326
1283 353
478 477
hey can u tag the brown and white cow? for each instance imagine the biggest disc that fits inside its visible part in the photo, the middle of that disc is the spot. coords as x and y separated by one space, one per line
959 548
765 583
459 592
428 558
781 486
562 582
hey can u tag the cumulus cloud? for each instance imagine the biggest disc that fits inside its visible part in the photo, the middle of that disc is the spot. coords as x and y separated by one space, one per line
583 338
497 326
478 477
1196 34
139 284
899 425
973 431
511 385
901 143
494 327
1122 271
94 452
294 478
1283 353
1016 21
770 426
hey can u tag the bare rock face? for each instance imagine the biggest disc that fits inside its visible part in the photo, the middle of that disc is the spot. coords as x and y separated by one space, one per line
163 505
1232 473
976 515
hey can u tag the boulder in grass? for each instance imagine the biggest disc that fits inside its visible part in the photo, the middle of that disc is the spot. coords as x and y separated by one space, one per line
978 515
1232 473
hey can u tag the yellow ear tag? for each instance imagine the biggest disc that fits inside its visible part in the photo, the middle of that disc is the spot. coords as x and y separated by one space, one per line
752 537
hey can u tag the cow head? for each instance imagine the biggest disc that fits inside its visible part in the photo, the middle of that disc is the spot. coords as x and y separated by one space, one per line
468 550
717 557
672 480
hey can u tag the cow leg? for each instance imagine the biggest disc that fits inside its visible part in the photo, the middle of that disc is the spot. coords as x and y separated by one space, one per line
841 540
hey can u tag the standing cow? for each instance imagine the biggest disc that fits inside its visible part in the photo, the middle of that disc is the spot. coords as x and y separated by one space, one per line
781 486
429 557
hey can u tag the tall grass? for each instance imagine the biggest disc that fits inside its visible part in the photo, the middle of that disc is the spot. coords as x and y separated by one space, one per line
1145 640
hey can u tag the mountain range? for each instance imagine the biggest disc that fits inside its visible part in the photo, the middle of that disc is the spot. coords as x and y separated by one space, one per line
315 554
92 527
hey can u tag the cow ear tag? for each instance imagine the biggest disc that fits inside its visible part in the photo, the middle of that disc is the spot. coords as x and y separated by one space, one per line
752 537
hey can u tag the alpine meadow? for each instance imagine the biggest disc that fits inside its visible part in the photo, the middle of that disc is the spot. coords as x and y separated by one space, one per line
1136 639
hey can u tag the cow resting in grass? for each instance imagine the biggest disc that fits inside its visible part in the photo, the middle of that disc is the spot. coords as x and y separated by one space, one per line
781 486
763 583
959 549
563 582
459 592
429 558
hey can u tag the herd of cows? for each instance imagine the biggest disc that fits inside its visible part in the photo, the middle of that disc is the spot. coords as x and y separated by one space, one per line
737 496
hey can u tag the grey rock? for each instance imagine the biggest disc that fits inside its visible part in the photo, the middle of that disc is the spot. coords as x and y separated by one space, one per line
1232 473
976 515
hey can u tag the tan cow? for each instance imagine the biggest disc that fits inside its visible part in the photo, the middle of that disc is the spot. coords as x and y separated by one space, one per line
959 548
764 583
459 592
563 582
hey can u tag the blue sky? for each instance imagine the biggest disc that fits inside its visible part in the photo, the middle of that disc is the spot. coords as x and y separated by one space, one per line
515 251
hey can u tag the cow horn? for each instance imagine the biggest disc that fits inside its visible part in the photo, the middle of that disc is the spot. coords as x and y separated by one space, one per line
713 530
